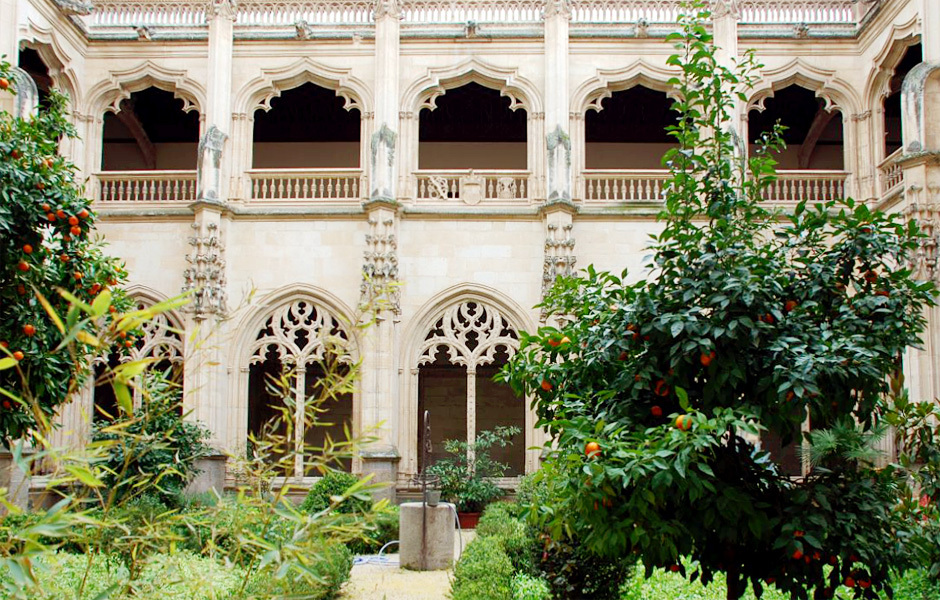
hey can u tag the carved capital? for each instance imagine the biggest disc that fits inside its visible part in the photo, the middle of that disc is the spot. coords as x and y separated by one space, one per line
225 9
386 8
557 8
725 8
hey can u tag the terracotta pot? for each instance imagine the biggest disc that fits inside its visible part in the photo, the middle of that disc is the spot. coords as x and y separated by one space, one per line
468 520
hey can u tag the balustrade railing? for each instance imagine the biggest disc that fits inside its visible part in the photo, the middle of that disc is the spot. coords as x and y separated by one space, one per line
472 187
332 185
791 187
626 185
135 187
192 13
890 175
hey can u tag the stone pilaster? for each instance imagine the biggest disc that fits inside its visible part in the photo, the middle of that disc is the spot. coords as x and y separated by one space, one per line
725 17
930 34
557 127
214 159
383 159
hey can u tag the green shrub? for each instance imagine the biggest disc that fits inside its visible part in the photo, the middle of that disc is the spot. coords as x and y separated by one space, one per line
382 530
334 483
499 520
483 571
328 572
526 587
916 585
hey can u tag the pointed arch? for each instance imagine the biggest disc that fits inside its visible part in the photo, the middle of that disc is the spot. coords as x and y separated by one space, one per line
590 94
45 42
899 39
471 324
837 93
424 92
107 95
258 93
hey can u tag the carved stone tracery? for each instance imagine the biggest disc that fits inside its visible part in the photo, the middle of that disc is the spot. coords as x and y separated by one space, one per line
161 339
560 258
472 333
301 332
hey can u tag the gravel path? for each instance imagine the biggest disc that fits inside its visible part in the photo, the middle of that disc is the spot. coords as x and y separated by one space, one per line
388 581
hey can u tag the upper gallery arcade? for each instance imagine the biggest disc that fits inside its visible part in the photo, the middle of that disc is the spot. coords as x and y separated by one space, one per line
283 160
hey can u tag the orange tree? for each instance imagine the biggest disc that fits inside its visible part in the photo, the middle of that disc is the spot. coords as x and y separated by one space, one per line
45 249
748 324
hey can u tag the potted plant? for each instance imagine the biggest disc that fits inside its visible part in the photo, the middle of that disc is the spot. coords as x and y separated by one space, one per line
466 474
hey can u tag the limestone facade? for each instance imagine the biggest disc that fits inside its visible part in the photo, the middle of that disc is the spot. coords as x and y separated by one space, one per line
471 249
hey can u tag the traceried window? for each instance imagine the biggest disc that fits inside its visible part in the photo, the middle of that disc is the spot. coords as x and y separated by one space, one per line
457 361
301 345
161 339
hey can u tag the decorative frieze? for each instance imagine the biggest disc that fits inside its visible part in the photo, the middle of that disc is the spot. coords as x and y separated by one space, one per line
380 265
204 279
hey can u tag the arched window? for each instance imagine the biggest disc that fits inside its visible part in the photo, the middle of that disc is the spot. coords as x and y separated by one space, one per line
161 340
303 346
457 360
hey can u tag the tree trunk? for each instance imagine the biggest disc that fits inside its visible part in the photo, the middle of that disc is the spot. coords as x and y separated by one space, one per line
734 584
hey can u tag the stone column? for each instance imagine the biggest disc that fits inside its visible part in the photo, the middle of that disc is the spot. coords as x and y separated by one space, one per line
214 159
558 140
725 17
930 32
378 416
383 157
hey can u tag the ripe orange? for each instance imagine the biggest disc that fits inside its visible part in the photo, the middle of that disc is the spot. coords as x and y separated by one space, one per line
849 581
656 411
553 342
18 355
684 422
83 214
707 358
21 289
864 584
884 293
674 568
73 220
592 449
27 249
7 405
623 355
546 385
76 230
50 217
78 275
29 330
661 388
15 154
23 266
128 343
46 207
797 555
40 185
789 305
60 213
4 83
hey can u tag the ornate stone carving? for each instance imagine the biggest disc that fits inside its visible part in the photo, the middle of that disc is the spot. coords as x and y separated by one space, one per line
204 279
801 31
642 29
559 166
224 8
210 162
144 33
559 256
472 333
301 332
383 164
389 8
557 8
160 339
725 8
74 7
380 267
926 260
303 30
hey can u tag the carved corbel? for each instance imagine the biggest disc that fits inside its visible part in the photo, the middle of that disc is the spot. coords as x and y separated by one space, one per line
380 266
204 279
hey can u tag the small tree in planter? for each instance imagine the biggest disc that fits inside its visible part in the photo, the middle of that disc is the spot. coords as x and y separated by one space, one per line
466 475
751 324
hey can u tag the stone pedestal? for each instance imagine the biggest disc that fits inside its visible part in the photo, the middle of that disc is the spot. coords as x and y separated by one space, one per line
383 466
426 545
211 475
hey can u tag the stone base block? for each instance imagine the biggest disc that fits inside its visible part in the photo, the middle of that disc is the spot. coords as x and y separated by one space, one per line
211 475
426 545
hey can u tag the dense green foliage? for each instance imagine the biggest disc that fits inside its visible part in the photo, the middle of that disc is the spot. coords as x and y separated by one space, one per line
331 490
158 447
483 571
750 325
467 482
46 245
526 587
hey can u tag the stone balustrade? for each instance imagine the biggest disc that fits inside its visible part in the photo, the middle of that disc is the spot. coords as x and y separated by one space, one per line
139 187
471 187
791 187
331 185
622 185
890 174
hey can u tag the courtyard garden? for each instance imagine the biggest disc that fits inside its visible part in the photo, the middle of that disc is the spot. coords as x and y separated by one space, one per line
661 395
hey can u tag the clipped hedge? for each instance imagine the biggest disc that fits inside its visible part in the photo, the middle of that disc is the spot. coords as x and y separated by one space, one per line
499 520
483 571
334 483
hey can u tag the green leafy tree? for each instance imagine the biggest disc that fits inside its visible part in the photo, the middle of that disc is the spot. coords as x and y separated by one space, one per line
751 325
46 226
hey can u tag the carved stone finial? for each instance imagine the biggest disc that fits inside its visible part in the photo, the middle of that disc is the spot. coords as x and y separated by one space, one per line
725 8
471 29
386 8
642 29
557 8
74 7
801 31
304 30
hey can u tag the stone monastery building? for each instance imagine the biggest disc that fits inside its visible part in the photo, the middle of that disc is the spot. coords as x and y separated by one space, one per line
286 159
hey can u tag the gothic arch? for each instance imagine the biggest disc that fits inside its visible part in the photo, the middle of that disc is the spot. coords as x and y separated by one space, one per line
591 93
837 94
107 95
258 93
471 323
300 322
163 336
57 59
900 38
424 92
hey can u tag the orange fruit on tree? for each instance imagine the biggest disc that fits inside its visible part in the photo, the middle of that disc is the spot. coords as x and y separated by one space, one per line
656 411
849 581
789 305
60 213
797 554
73 220
76 230
50 217
28 249
46 207
29 330
546 385
707 359
18 355
23 266
684 422
674 568
592 449
83 214
4 83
